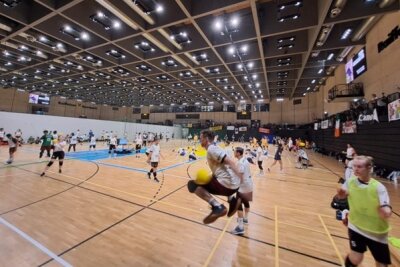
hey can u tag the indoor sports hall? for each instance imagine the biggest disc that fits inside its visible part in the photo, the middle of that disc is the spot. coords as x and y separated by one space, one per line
199 133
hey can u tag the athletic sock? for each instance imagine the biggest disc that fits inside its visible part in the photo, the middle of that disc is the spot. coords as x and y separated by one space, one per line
240 222
214 203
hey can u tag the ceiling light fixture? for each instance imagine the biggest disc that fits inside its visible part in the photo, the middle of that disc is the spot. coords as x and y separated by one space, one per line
144 47
118 13
346 34
105 21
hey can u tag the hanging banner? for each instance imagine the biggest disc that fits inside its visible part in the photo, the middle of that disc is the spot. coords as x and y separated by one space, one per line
216 128
372 117
394 110
324 124
337 128
264 130
230 128
242 129
349 127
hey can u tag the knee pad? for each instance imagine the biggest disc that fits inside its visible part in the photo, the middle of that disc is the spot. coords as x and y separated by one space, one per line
191 185
61 163
240 207
50 163
246 204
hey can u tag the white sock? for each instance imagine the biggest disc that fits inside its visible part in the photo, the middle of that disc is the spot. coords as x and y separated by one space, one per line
240 222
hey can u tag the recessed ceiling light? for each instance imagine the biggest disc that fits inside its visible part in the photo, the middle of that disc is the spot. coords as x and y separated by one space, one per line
320 71
331 55
346 34
313 81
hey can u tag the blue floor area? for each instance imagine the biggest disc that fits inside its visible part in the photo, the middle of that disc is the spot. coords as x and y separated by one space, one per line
96 155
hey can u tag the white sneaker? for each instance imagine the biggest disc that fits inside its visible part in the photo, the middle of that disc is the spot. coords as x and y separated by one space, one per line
238 230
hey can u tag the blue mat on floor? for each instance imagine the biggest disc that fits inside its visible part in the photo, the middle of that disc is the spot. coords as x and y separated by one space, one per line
97 155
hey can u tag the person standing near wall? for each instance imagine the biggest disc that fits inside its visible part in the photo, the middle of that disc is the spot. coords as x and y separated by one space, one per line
12 144
72 142
370 210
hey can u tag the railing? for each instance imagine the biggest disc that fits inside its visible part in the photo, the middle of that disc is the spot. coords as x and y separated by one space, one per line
346 90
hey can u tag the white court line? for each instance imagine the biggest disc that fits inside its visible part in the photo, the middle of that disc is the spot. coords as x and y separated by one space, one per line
36 243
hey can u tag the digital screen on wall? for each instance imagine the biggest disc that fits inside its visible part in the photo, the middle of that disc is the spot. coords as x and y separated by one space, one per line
356 66
244 115
39 99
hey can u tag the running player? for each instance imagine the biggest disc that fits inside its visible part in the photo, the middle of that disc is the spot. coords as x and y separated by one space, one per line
225 181
58 153
278 157
73 140
260 158
138 142
92 142
369 213
2 135
113 145
18 136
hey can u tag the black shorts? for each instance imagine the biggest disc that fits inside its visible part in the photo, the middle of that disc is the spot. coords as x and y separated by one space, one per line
379 251
154 164
92 146
138 147
112 147
214 187
277 158
58 154
12 149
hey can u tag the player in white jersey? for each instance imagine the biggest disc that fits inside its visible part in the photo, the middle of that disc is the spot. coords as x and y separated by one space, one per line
58 153
245 191
154 159
92 142
12 144
225 181
113 145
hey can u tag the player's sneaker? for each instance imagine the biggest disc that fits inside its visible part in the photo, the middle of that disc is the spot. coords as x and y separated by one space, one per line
217 211
238 230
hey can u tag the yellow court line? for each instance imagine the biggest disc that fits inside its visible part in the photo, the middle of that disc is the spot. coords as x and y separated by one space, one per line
217 243
302 178
306 212
302 227
332 241
276 238
132 194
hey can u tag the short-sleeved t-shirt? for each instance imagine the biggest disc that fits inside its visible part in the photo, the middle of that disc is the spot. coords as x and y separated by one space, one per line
47 139
259 154
383 197
73 140
244 167
224 175
92 140
155 153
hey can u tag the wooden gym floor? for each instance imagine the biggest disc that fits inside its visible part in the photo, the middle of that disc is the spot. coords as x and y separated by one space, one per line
105 212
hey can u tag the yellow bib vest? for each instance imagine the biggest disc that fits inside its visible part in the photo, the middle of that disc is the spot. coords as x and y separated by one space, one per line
364 205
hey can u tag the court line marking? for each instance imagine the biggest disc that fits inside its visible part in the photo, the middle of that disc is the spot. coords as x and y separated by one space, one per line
38 245
332 241
131 194
276 238
219 229
217 243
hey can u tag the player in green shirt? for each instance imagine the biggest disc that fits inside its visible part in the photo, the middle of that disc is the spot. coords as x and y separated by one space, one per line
46 140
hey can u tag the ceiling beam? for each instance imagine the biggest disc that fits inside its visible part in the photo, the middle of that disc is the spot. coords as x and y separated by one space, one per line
323 10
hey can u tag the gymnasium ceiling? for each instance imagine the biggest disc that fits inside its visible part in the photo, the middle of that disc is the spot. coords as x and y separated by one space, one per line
162 52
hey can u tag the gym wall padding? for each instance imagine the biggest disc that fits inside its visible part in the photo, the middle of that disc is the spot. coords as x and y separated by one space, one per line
33 125
380 141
